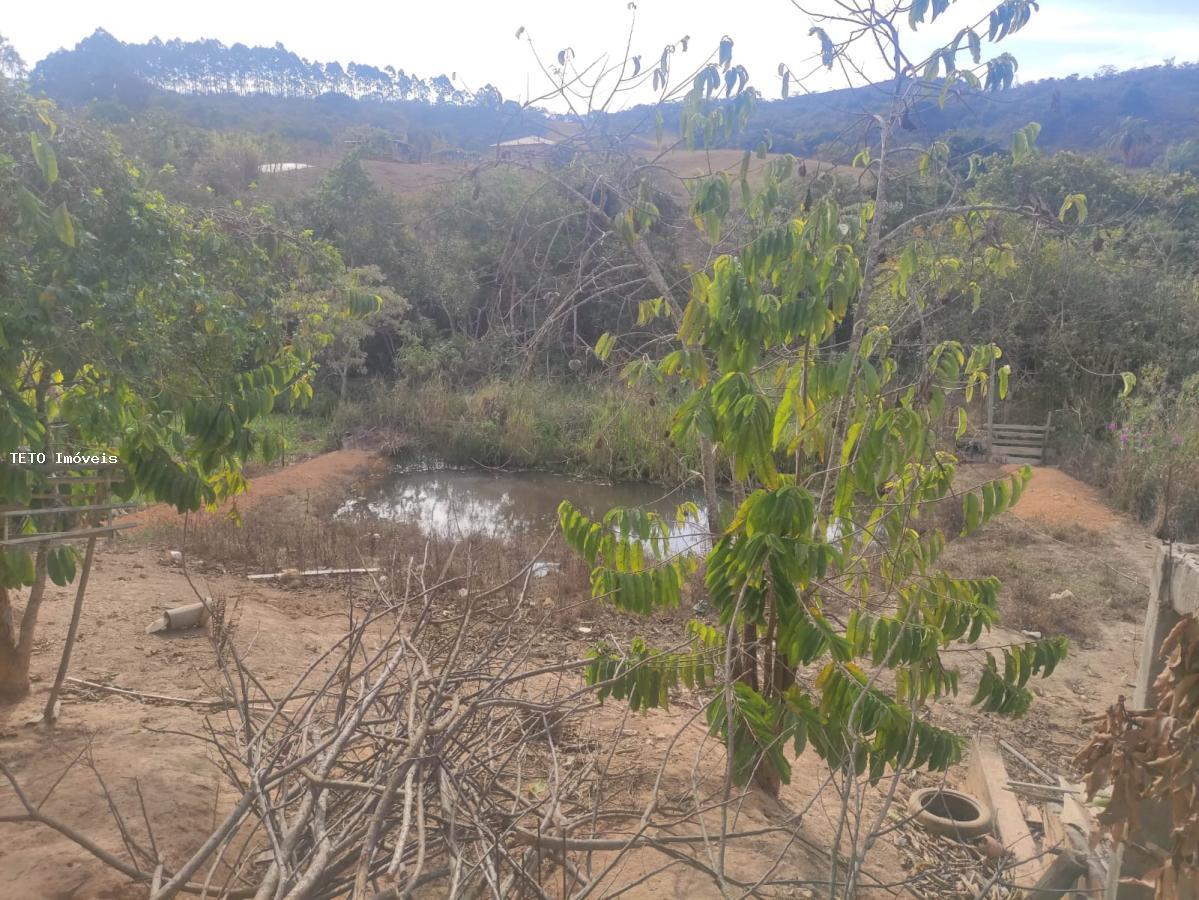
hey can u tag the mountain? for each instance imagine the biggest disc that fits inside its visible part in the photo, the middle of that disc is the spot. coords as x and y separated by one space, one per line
1137 114
1140 116
271 89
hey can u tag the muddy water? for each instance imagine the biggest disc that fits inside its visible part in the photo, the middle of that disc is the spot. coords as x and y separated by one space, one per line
459 503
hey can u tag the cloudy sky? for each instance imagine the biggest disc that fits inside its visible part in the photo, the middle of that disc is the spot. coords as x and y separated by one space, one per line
475 38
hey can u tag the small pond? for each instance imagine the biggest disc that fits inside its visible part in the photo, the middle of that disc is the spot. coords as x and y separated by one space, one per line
455 503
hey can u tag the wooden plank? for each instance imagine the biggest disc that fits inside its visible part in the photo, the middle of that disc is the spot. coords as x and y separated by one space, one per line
51 537
1077 827
1018 438
1060 876
1000 425
1034 817
1017 452
1019 445
50 510
1055 835
1074 813
988 778
311 572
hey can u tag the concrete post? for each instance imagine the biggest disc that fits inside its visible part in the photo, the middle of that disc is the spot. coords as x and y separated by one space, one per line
1173 594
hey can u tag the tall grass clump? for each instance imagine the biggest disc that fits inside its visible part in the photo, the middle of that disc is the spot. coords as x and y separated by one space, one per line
584 427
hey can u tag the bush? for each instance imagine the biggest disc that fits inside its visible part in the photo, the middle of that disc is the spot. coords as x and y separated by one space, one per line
586 427
1150 458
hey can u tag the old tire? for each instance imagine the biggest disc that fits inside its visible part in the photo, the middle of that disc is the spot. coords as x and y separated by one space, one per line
950 813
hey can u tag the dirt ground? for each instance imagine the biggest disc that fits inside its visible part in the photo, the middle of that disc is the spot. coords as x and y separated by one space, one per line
1060 537
406 179
308 479
1061 541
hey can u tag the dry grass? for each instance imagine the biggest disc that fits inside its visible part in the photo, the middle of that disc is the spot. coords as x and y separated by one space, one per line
289 533
1027 606
1078 566
1076 534
296 533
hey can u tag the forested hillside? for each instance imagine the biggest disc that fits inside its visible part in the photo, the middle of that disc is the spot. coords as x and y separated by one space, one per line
1139 117
271 89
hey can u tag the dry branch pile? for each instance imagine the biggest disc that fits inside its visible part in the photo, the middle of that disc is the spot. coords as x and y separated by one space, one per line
429 752
425 749
399 758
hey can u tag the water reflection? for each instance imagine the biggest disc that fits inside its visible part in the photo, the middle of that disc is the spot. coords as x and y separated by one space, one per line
460 503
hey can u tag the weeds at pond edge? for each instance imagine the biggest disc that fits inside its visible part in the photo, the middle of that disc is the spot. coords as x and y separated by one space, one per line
601 428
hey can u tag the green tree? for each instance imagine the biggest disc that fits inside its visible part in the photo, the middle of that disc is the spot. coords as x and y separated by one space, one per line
133 326
1182 157
1067 277
1130 136
11 64
822 568
346 329
833 615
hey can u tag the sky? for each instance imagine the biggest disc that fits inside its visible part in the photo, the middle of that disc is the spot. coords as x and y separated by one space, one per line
475 39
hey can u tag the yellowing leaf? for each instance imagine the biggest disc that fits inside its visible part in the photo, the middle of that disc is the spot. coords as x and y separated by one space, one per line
63 226
1130 381
43 155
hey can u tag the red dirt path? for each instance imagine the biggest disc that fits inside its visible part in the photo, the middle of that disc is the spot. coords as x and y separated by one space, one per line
1054 498
316 475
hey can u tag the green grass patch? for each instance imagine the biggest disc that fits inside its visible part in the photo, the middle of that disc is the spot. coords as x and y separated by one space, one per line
592 427
305 435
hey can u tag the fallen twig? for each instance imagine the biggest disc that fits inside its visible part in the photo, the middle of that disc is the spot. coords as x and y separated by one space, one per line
142 695
311 573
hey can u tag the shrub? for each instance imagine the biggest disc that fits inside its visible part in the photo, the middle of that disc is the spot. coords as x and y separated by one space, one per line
585 427
1152 456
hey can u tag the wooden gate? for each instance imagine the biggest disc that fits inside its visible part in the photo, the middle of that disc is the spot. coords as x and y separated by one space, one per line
1018 443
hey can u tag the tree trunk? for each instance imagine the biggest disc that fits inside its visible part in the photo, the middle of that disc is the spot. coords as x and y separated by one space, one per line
50 713
765 776
14 678
747 669
707 455
16 643
767 779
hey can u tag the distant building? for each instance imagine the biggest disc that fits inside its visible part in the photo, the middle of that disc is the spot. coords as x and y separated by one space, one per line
532 146
273 168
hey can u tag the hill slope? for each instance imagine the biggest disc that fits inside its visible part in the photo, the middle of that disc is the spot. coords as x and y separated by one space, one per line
1138 115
